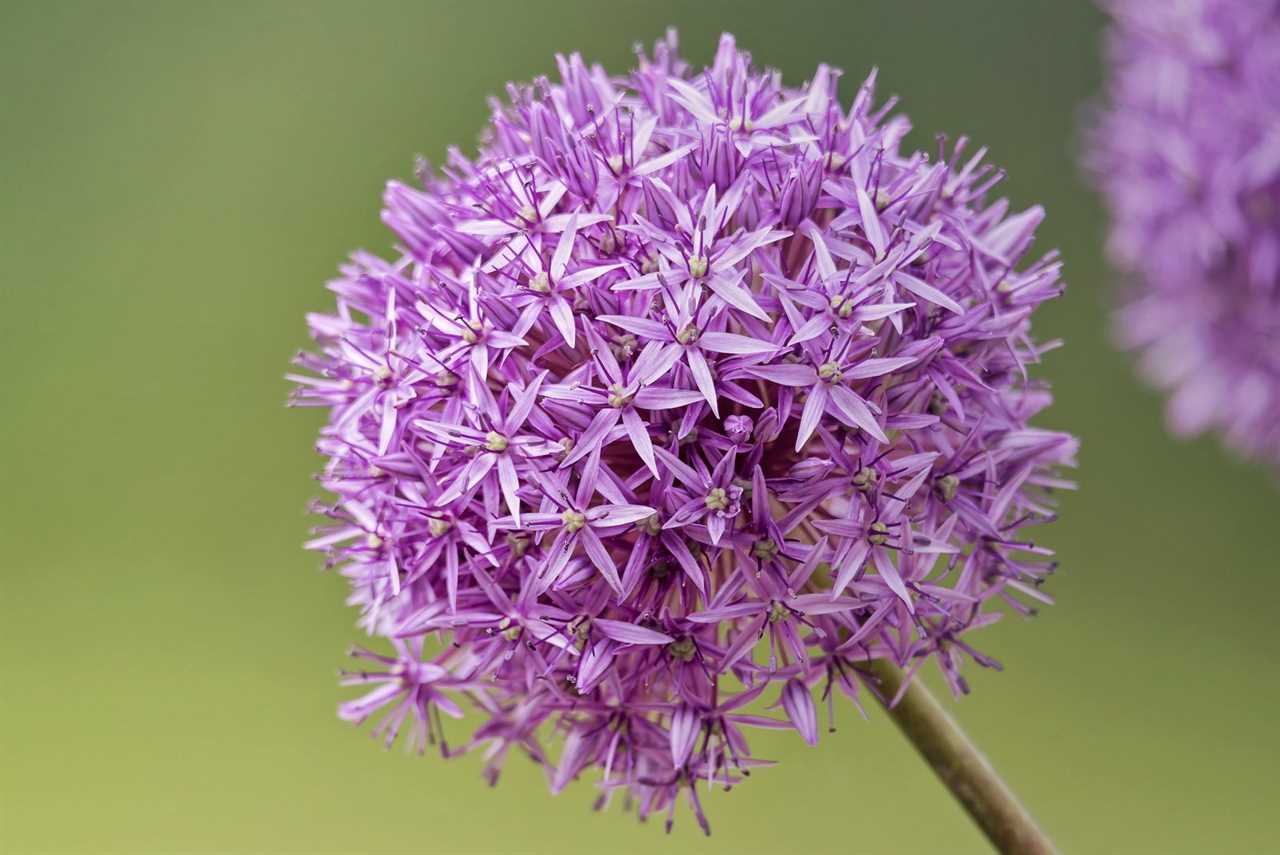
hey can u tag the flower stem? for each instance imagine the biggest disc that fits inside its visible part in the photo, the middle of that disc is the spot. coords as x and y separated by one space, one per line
960 765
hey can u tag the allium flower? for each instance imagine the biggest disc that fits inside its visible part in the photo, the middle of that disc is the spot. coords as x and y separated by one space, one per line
1187 152
690 391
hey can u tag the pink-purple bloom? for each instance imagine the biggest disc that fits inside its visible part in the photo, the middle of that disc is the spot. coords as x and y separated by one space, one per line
1187 152
691 390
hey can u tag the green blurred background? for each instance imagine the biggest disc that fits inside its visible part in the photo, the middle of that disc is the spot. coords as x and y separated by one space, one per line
177 181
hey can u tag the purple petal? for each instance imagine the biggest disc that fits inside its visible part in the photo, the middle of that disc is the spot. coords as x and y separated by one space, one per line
611 515
849 566
629 633
640 440
572 758
680 469
509 483
871 222
587 274
853 411
888 572
702 377
677 547
722 342
823 604
738 297
811 329
639 326
693 101
927 292
814 407
600 557
684 732
723 613
878 367
662 398
594 665
742 644
486 228
560 259
603 422
663 161
502 340
523 404
798 703
715 528
562 317
647 282
654 362
787 374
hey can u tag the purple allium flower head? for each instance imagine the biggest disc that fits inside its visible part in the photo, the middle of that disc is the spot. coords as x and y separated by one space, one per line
1187 152
690 391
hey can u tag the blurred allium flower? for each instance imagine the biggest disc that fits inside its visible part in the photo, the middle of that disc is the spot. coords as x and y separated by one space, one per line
690 390
1187 151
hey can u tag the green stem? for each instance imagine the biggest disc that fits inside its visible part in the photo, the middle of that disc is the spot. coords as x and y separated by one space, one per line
961 766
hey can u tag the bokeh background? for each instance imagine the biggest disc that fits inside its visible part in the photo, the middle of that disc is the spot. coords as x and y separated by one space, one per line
178 180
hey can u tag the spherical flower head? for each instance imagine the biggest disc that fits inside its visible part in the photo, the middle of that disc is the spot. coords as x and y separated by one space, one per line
689 391
1186 150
